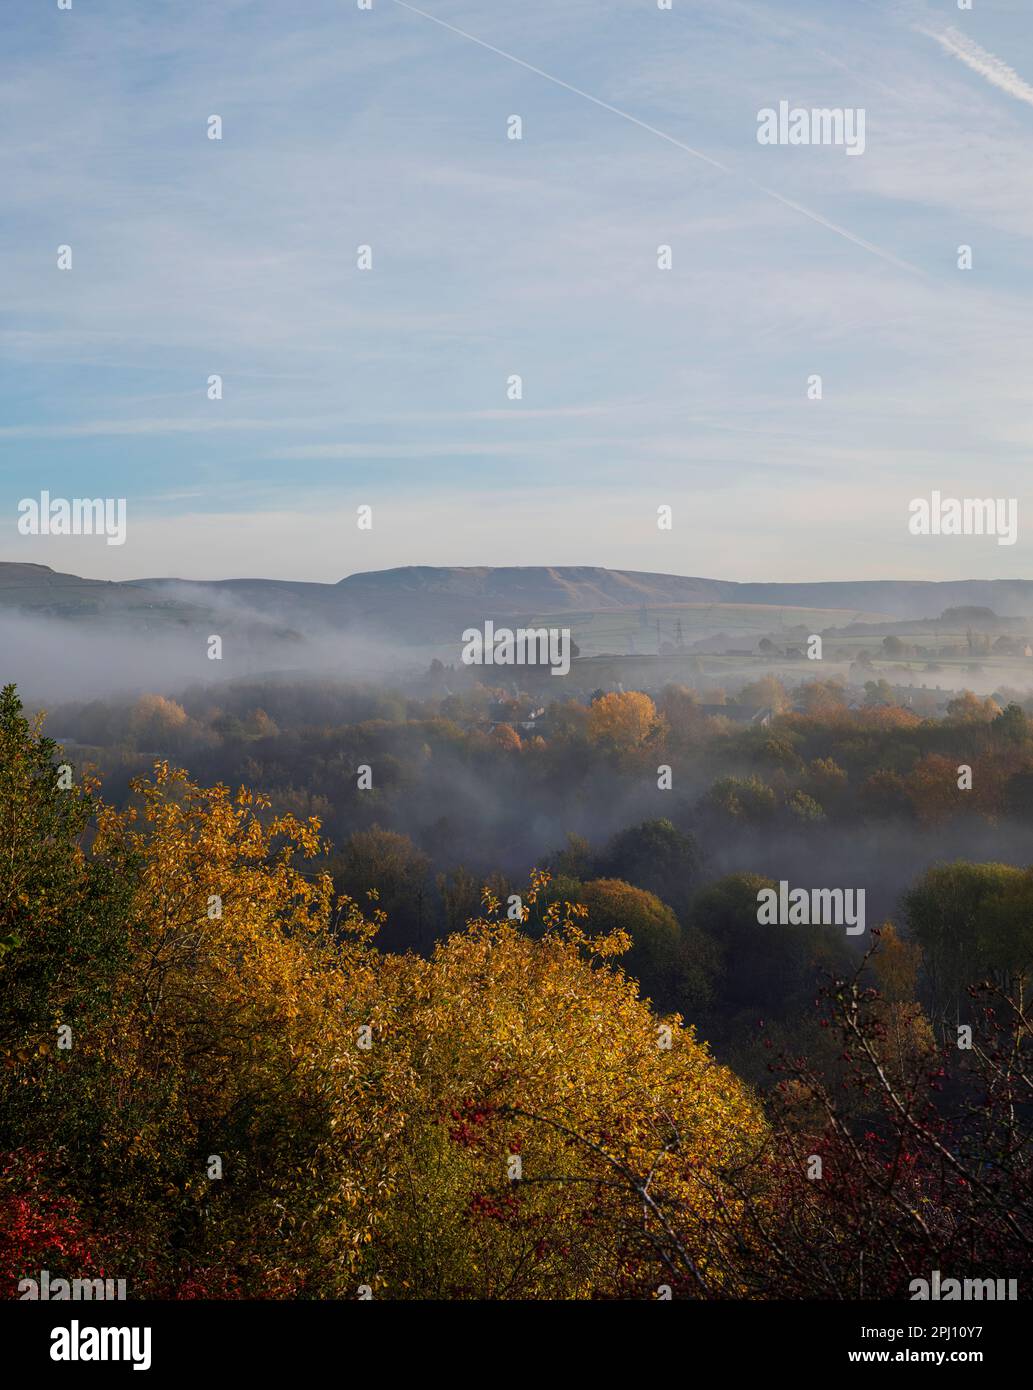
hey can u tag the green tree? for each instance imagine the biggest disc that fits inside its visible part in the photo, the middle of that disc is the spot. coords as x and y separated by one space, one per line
654 855
768 969
973 922
1012 724
62 929
746 799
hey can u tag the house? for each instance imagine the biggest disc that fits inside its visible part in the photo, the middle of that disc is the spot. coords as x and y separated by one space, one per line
532 723
748 715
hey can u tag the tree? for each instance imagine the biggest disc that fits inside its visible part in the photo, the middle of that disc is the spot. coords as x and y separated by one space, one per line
885 795
968 708
973 922
154 718
269 1105
766 692
460 894
568 721
747 799
878 692
63 930
534 1050
621 720
940 1178
1011 725
804 807
896 965
261 725
226 1039
389 864
826 782
574 859
680 707
675 967
821 697
768 969
771 748
933 788
653 855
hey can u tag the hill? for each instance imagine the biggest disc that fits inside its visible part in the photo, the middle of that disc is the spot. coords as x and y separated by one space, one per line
421 601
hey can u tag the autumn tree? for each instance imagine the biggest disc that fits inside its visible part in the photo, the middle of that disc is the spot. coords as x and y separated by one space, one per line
680 707
766 692
157 723
885 796
675 965
506 738
563 1141
821 697
933 788
268 1105
968 708
826 782
621 720
1012 725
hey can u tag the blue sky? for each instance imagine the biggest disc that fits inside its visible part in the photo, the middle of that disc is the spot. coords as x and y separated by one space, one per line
493 257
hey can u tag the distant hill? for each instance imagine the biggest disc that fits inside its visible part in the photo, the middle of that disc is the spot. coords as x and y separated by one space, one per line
405 599
554 588
41 590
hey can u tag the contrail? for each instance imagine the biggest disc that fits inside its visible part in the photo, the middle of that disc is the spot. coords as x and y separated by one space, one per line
814 217
986 64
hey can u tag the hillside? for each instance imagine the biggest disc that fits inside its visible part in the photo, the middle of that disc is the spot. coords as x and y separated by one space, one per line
402 601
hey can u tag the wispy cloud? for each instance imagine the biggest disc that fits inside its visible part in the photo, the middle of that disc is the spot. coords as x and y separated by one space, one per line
988 65
815 217
495 257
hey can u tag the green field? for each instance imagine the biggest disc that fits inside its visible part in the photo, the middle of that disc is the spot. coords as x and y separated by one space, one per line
611 631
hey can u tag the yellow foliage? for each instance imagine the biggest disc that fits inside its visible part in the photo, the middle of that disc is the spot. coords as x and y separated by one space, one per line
623 719
156 713
527 1049
896 965
506 736
505 1119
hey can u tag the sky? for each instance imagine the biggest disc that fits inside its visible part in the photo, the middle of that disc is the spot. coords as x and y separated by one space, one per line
492 258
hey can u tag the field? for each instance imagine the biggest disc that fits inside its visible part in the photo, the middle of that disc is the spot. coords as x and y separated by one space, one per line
628 631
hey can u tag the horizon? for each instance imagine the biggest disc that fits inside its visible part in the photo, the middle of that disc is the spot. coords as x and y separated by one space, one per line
611 569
